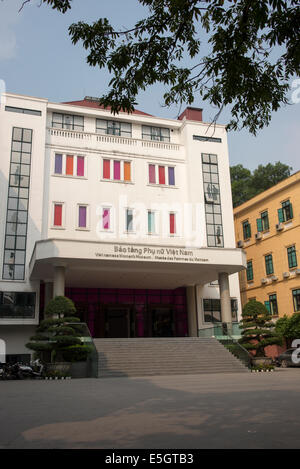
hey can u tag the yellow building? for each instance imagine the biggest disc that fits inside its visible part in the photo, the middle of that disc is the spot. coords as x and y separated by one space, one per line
267 227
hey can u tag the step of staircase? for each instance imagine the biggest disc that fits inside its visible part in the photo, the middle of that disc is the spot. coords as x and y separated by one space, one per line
164 356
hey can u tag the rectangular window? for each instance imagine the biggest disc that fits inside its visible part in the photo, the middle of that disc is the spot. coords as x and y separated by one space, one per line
296 299
172 223
161 175
269 264
106 127
212 310
70 165
151 222
127 171
58 164
80 166
152 178
17 205
57 215
171 174
246 230
82 216
203 138
249 271
265 221
155 133
106 218
31 112
273 305
292 257
17 305
129 220
117 170
67 121
285 213
106 169
163 172
213 210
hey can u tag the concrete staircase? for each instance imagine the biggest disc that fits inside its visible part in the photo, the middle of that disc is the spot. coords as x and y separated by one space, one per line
164 356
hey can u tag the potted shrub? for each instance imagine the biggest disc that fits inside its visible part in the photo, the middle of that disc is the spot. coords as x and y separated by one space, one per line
57 341
258 332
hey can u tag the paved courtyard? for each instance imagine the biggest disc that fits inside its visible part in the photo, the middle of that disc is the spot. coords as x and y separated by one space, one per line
254 410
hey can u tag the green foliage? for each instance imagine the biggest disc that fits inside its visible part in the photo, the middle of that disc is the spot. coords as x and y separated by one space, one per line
257 329
239 70
288 327
60 306
59 337
77 353
245 185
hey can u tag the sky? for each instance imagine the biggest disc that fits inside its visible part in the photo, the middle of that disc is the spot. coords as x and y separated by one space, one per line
37 58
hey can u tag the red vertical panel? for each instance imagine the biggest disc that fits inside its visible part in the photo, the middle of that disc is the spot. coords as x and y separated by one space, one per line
57 215
161 175
106 169
172 223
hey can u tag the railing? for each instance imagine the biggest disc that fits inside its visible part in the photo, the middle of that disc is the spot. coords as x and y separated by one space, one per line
228 334
223 331
111 139
86 338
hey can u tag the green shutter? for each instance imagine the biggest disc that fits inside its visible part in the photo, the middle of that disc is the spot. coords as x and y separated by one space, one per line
280 215
267 305
291 211
259 224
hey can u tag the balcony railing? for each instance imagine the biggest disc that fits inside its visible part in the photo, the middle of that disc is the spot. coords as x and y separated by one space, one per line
96 139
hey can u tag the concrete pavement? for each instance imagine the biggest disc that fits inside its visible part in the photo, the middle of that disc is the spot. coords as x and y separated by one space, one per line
254 410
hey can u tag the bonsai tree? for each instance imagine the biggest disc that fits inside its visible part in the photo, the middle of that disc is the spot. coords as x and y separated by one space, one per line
58 336
288 327
257 329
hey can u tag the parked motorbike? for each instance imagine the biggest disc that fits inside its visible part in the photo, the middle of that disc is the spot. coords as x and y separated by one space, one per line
20 371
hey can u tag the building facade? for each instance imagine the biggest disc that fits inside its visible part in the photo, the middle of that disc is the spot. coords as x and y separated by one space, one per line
268 229
129 215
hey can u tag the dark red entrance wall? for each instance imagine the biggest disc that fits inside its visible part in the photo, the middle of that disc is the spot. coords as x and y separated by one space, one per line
93 302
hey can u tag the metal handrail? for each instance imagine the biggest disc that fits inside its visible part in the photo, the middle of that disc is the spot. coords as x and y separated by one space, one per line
226 336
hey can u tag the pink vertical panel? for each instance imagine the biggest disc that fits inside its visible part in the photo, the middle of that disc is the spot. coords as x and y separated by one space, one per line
152 179
80 166
106 218
117 170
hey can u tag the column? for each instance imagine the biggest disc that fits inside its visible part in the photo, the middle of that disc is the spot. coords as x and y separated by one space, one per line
191 311
59 281
48 292
225 297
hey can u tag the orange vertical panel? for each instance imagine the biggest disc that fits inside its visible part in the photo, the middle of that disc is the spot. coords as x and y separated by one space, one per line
127 171
70 165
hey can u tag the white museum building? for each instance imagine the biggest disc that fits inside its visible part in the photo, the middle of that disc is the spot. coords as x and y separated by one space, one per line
129 215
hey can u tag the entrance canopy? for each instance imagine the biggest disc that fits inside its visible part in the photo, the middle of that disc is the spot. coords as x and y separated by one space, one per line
94 264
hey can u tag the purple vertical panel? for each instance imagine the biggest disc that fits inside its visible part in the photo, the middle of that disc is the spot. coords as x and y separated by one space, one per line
117 170
80 165
82 217
106 218
171 176
152 178
58 164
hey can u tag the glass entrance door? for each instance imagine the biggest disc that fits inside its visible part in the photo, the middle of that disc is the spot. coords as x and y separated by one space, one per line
162 321
117 322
